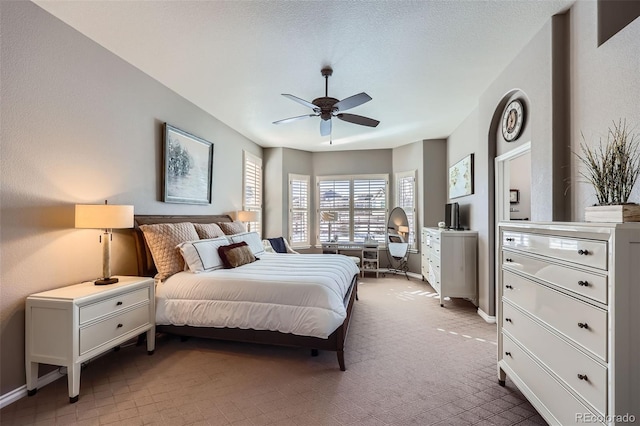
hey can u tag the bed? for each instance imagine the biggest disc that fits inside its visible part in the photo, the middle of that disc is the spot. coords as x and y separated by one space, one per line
282 299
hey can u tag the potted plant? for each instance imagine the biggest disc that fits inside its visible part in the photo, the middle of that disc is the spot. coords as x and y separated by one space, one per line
612 169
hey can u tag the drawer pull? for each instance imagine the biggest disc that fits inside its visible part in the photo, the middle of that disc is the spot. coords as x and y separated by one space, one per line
510 239
583 377
119 303
508 320
119 326
583 325
507 353
583 252
509 286
508 259
583 283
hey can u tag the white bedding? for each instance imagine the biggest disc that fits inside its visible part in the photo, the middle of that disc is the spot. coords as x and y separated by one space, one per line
301 294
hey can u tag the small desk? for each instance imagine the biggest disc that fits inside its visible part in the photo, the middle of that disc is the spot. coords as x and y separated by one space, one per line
369 255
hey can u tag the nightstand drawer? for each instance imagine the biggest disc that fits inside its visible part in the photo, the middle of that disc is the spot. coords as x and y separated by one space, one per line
105 331
113 304
581 251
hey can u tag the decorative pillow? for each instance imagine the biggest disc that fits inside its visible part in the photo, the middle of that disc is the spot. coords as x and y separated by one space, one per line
278 244
235 255
252 239
208 230
162 239
268 248
230 228
202 255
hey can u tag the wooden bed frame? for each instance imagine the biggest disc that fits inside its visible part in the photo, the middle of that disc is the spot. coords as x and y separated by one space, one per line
146 268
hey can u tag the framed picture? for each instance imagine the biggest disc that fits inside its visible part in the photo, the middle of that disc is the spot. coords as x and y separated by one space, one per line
514 196
461 178
188 167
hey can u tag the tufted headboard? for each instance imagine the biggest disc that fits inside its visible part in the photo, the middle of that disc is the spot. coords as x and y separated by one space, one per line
146 267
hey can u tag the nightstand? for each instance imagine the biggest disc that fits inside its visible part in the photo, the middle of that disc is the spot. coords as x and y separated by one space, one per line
370 260
73 324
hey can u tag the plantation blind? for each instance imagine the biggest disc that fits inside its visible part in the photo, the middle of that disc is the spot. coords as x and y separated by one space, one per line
252 188
406 198
299 210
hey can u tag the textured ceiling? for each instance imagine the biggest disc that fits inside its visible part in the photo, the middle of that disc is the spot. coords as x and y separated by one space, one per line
424 63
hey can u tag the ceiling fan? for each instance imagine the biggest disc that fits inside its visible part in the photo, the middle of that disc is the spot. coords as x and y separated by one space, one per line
327 107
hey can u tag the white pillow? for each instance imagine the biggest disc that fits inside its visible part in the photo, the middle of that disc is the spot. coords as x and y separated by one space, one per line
252 239
202 255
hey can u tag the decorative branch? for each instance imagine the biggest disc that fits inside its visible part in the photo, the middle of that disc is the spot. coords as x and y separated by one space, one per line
612 169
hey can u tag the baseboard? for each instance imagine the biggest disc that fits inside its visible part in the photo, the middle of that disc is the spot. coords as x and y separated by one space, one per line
488 318
21 392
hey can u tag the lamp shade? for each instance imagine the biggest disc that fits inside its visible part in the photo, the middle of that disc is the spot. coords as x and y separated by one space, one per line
403 229
248 216
104 216
329 216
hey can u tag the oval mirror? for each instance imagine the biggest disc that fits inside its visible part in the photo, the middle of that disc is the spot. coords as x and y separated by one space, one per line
397 245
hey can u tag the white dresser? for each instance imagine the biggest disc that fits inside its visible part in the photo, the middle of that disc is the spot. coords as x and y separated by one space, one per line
449 262
73 324
569 319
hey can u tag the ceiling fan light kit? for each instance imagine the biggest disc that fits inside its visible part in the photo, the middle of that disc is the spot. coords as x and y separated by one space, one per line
327 107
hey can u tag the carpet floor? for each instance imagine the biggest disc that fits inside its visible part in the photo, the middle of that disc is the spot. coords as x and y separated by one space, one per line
409 362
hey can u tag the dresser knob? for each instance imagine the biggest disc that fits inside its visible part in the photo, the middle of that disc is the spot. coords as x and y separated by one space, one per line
119 303
583 325
508 259
583 283
583 252
119 325
510 239
507 353
509 286
583 377
508 320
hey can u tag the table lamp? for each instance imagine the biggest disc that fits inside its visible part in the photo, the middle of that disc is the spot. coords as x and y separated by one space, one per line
403 230
248 216
329 217
106 217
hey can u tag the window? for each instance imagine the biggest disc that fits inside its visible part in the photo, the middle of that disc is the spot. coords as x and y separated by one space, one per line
352 208
299 210
252 188
406 198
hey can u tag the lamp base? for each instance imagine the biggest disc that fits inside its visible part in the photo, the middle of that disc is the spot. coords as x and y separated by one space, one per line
105 281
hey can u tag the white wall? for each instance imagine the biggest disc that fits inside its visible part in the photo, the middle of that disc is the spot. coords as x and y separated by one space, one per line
80 125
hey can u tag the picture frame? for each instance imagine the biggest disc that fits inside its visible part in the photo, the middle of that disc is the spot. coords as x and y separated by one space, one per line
187 167
461 178
514 196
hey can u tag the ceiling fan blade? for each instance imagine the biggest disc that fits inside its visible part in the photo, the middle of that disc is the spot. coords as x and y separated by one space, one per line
352 101
290 119
358 119
301 101
325 127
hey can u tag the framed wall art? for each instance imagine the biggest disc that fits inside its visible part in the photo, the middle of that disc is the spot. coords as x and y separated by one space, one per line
461 178
188 167
514 196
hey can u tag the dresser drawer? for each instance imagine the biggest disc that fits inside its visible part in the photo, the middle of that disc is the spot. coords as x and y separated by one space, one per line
580 321
546 388
583 252
434 279
579 281
559 356
105 331
113 304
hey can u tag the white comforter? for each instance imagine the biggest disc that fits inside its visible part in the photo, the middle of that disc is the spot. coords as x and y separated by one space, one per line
292 293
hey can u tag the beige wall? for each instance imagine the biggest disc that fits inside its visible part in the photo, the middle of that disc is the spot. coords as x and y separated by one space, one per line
79 125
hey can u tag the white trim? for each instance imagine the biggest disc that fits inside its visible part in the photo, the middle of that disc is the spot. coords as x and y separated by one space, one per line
19 393
488 318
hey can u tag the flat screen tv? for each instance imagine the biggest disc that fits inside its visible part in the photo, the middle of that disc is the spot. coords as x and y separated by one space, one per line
452 216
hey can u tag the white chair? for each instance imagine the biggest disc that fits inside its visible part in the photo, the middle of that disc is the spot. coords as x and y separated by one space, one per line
399 252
